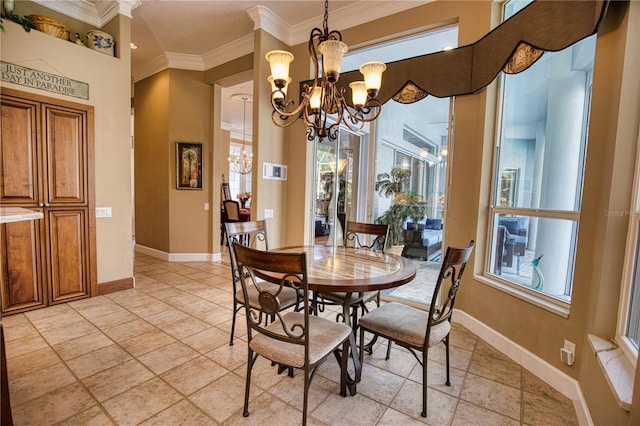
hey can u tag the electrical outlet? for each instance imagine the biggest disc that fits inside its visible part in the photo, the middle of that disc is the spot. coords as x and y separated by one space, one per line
570 346
568 353
206 206
567 357
268 213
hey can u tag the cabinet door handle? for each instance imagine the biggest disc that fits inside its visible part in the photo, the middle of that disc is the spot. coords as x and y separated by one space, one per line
41 204
46 204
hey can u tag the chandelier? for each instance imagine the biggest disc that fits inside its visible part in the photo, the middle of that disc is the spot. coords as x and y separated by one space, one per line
242 163
323 98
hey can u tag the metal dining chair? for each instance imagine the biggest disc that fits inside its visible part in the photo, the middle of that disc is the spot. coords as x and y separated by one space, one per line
251 234
230 213
232 209
295 339
418 330
363 236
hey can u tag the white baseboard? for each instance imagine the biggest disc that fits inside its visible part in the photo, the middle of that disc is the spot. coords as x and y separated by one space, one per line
560 381
179 257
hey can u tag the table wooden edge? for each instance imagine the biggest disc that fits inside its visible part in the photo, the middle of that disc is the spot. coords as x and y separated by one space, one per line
405 274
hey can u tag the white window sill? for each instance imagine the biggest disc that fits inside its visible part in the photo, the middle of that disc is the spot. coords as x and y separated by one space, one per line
554 306
617 369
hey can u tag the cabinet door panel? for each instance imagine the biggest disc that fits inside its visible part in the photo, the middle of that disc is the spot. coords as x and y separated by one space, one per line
67 233
65 159
18 154
21 281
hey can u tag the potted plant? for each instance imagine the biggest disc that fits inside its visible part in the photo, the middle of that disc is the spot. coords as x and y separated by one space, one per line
405 204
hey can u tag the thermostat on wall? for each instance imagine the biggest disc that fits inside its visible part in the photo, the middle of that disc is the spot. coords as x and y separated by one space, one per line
274 171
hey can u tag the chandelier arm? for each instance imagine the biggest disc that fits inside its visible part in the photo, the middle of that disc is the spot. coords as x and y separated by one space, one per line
373 106
312 129
335 35
352 121
287 114
332 132
281 121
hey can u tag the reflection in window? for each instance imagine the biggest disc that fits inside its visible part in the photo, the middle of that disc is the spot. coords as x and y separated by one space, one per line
538 178
508 187
238 183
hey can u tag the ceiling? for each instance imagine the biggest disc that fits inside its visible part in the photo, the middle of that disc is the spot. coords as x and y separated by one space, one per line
199 35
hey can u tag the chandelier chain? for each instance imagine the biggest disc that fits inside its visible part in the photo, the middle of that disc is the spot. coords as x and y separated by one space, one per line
242 163
325 22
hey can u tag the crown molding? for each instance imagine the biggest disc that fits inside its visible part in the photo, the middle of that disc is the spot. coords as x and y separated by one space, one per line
184 61
126 6
207 61
263 18
157 64
342 18
228 52
95 13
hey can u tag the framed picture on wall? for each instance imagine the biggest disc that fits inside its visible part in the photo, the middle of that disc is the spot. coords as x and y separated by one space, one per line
188 165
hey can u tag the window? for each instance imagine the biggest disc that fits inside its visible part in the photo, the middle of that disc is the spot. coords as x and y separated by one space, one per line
238 183
629 316
538 172
411 136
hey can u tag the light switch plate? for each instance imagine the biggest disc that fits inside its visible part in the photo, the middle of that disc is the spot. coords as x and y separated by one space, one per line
103 211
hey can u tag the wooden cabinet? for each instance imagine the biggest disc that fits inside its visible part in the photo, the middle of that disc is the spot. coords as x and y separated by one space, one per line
45 165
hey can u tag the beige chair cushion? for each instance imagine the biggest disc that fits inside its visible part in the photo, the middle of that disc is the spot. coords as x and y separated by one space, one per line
324 336
288 295
404 323
339 297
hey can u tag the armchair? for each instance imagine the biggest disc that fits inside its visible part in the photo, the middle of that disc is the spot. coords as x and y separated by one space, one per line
512 239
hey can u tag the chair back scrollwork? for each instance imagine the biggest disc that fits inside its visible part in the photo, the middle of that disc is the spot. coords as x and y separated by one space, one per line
292 266
446 289
357 233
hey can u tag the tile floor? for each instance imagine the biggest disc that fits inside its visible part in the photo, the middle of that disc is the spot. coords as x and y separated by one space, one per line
159 355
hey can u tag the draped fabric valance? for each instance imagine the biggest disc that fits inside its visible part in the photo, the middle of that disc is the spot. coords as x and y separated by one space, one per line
512 47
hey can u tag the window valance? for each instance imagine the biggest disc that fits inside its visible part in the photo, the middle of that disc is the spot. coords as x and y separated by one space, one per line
512 47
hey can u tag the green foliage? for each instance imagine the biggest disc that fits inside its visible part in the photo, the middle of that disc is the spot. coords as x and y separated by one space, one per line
23 20
405 204
389 184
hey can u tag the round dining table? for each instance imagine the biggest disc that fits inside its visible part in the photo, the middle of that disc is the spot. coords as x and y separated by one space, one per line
349 270
339 268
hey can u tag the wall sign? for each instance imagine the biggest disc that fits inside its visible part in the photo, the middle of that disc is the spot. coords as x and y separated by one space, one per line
43 80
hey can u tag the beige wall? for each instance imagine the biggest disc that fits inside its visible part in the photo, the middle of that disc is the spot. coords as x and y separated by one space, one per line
190 121
153 162
110 93
172 106
269 146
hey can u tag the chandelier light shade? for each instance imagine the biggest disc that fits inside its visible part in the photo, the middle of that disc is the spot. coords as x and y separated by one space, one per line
323 98
242 163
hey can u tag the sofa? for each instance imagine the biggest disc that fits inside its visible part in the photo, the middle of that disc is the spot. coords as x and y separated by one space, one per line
421 240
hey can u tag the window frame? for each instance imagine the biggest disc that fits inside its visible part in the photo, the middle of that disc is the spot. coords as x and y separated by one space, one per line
244 185
538 298
631 251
